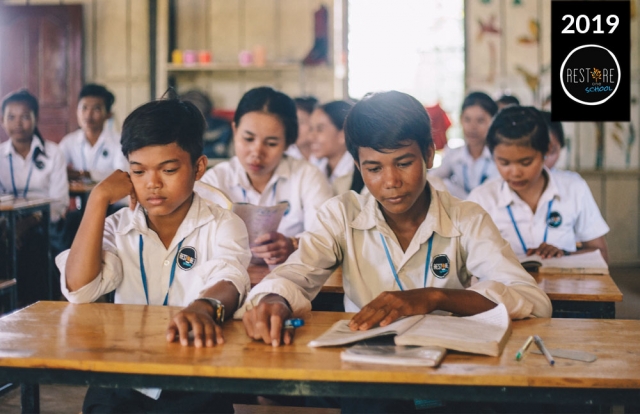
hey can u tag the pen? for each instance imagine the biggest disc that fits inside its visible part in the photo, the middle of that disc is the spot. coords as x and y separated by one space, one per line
293 323
543 349
524 348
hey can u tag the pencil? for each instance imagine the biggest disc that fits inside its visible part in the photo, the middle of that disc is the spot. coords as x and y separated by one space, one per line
543 349
524 348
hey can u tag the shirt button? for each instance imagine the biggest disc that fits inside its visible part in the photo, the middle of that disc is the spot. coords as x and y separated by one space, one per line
166 262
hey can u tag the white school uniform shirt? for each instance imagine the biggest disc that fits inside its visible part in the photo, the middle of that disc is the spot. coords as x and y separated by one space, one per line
216 239
461 173
44 177
101 159
574 215
294 181
341 176
467 252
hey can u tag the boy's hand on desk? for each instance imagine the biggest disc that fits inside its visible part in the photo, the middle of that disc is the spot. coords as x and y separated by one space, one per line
115 187
273 247
197 318
546 251
389 306
266 320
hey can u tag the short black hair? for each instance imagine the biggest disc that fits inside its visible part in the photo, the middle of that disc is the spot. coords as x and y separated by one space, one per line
306 103
508 100
163 122
482 100
268 100
337 112
555 127
519 125
387 121
99 91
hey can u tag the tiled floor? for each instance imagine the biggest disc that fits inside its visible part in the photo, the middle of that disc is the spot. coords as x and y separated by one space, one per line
64 399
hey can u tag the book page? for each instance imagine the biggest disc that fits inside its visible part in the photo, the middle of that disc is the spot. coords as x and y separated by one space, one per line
340 334
590 262
260 220
485 333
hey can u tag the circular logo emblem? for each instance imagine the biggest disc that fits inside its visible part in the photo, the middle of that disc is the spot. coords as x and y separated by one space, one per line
440 266
105 153
39 164
590 74
187 258
554 220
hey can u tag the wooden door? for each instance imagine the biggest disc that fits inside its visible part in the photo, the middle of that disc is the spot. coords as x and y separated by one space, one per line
41 50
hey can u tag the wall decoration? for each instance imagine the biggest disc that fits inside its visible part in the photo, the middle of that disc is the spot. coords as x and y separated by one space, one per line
533 37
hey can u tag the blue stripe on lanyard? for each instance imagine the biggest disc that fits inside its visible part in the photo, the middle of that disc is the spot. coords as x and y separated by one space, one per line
143 273
546 229
393 268
13 181
483 175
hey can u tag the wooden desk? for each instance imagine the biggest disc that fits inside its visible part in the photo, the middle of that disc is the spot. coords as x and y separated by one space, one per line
579 295
12 210
81 189
572 295
124 345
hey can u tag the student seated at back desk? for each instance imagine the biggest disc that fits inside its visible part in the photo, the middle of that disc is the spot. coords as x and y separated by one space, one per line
467 167
218 135
301 149
328 145
172 248
260 173
405 248
538 211
31 167
92 152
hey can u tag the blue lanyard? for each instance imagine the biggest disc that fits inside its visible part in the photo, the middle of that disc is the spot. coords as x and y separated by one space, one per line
84 161
393 268
143 273
515 226
13 181
483 175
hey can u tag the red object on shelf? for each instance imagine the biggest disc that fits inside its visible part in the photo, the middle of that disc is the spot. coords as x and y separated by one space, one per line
440 122
224 113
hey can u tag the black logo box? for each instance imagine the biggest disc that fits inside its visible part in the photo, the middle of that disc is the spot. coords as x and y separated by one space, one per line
618 107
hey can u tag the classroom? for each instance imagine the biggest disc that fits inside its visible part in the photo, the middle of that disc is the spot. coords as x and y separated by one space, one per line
214 54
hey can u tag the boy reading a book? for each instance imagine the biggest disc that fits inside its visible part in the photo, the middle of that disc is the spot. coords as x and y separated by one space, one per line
405 248
172 248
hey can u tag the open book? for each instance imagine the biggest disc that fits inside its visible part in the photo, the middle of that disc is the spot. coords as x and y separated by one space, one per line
485 333
583 263
260 220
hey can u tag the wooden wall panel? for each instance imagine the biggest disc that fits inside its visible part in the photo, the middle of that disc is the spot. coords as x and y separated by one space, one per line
622 217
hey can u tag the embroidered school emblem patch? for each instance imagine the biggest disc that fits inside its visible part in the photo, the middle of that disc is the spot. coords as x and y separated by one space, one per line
554 220
440 266
187 258
105 153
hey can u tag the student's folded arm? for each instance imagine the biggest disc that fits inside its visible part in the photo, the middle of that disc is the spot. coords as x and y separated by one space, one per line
110 272
501 277
230 255
301 277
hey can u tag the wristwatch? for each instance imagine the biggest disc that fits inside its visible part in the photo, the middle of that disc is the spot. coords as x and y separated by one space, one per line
218 309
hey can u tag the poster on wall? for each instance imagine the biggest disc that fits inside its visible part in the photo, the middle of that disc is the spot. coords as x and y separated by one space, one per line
590 61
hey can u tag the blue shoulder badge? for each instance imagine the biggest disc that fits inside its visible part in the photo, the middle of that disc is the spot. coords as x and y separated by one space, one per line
187 258
440 266
554 220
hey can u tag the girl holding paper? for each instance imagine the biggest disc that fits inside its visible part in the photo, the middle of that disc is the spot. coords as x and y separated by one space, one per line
264 125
